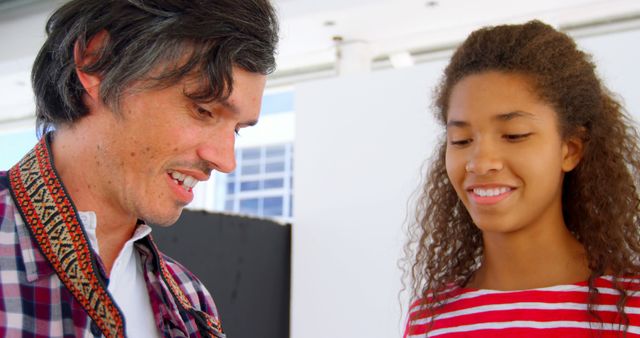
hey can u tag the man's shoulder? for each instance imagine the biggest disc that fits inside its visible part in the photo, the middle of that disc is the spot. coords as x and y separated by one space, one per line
191 286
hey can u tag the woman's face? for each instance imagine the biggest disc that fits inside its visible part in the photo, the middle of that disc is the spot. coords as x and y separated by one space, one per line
504 155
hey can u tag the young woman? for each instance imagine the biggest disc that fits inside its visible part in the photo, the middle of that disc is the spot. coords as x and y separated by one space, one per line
528 222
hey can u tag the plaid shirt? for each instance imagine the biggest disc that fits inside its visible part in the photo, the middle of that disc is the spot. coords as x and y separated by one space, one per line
35 302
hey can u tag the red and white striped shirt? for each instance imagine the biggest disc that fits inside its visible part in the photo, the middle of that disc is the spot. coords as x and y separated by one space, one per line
557 311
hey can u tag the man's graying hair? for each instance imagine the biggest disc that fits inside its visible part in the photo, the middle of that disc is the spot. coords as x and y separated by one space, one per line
205 38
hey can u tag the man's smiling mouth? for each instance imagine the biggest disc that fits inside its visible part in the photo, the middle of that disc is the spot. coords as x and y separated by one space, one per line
185 181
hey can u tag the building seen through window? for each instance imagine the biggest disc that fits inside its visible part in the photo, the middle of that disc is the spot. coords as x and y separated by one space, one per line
262 184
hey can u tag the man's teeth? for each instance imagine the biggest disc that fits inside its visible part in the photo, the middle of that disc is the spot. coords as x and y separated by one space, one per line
178 176
187 181
490 192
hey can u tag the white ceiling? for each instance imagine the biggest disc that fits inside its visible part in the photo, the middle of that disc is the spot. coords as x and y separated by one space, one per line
308 27
390 26
386 26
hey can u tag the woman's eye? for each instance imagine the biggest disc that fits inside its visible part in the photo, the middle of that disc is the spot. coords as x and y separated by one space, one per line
516 137
461 142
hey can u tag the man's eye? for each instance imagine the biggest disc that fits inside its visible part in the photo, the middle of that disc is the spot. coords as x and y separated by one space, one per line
203 112
516 137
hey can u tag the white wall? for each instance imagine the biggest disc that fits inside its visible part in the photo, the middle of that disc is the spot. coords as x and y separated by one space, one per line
616 56
360 143
22 33
23 30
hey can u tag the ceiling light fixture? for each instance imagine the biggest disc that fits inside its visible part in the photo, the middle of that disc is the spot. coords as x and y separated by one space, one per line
401 60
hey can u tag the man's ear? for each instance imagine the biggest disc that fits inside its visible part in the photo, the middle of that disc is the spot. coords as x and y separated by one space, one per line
573 150
82 58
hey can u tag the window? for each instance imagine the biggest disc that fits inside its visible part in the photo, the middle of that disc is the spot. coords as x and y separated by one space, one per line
249 206
250 169
231 187
290 205
14 145
249 185
274 167
251 154
276 151
263 184
272 206
273 183
228 205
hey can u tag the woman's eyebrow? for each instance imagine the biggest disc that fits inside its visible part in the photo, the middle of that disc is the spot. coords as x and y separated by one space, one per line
514 114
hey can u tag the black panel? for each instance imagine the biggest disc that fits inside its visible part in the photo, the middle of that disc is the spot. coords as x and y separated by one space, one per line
244 262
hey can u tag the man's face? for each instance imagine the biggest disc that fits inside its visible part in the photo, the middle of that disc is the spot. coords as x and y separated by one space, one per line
163 143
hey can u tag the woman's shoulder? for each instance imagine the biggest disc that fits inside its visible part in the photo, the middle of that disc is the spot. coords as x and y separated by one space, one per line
455 297
454 308
438 296
420 310
627 283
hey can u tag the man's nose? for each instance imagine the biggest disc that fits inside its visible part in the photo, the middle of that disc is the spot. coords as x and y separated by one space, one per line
219 151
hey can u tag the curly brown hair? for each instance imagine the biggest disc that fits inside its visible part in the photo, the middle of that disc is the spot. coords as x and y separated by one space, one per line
445 246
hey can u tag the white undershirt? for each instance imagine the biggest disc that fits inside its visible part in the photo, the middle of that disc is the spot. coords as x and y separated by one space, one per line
126 282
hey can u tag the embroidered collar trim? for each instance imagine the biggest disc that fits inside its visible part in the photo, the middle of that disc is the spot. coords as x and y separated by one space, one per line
53 222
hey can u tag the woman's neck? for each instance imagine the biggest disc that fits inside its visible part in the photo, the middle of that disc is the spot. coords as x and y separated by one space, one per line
531 259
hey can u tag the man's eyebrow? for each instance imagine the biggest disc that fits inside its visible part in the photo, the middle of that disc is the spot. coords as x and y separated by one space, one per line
250 123
234 110
228 106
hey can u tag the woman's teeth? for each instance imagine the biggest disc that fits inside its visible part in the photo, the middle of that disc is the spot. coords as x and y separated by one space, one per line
490 192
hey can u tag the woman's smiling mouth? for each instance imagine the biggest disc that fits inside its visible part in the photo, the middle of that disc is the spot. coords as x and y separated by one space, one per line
488 195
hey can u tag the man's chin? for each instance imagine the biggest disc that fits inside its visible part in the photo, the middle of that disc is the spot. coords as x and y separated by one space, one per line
164 220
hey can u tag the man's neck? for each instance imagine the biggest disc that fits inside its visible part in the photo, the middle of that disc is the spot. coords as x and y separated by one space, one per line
75 160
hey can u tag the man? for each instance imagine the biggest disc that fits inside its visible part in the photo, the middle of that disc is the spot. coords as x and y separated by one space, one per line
137 101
